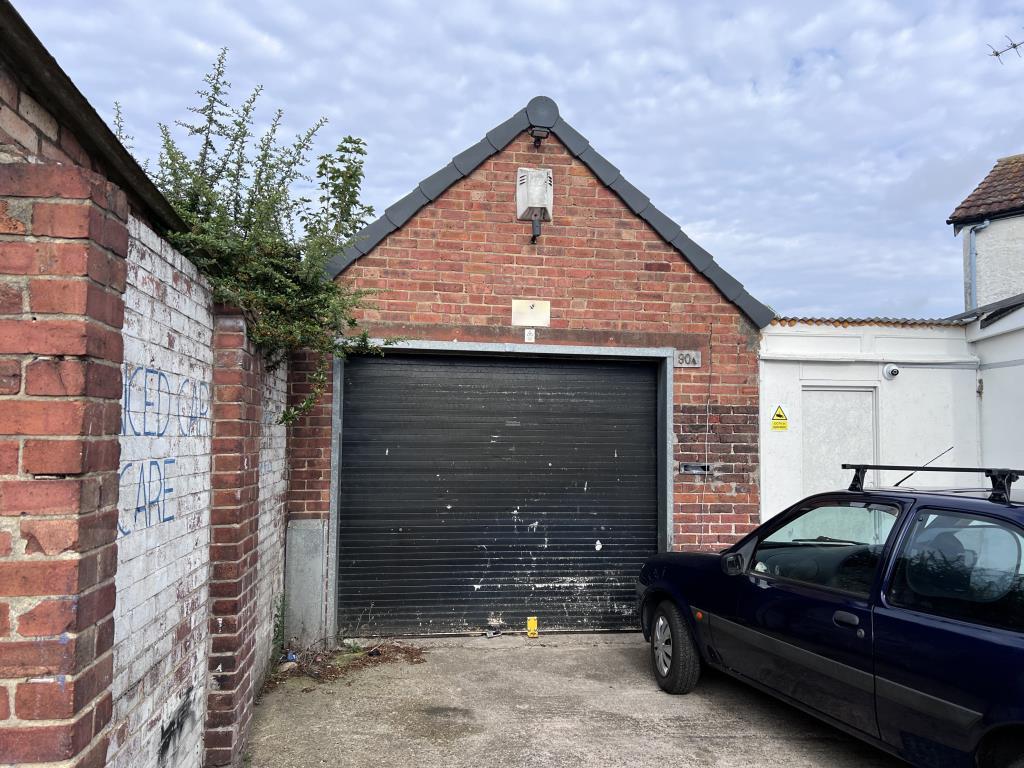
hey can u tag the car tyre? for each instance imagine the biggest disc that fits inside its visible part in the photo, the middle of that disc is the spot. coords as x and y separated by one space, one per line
675 659
1004 752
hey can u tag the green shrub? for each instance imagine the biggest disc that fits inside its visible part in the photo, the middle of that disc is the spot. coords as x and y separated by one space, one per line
263 246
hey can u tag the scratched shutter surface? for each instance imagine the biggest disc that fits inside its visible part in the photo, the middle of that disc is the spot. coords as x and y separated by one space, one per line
478 491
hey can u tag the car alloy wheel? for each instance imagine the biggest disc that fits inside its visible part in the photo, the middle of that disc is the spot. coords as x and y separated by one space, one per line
662 646
675 660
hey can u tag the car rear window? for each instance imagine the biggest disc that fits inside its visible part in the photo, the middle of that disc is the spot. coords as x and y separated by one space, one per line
962 566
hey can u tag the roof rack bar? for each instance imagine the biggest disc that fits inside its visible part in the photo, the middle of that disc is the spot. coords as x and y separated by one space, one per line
857 484
1002 482
1002 479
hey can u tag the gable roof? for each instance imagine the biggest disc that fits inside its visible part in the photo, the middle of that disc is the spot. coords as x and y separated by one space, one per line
1001 193
542 112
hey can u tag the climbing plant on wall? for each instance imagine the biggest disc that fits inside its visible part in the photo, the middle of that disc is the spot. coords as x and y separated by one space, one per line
263 245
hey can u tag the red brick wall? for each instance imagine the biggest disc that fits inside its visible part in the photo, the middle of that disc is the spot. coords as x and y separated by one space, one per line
28 128
234 518
64 253
309 445
63 242
453 270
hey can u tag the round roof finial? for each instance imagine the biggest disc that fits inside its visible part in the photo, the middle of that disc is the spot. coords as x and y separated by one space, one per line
542 112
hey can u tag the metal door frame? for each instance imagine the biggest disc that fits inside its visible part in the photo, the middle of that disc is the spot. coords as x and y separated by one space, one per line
665 356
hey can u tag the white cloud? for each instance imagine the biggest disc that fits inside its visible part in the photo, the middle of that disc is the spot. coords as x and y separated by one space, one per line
815 152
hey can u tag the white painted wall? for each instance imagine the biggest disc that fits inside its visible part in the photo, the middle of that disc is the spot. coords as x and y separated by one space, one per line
1000 350
273 491
830 383
1000 271
160 620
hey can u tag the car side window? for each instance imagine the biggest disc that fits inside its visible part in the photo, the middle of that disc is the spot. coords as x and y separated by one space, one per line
836 545
962 566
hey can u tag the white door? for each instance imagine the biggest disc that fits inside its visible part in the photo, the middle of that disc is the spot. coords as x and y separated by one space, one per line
839 428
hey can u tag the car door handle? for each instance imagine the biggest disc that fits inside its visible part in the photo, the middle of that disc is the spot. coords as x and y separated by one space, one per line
845 619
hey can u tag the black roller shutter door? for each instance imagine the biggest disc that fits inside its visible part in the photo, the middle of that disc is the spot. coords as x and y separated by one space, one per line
478 491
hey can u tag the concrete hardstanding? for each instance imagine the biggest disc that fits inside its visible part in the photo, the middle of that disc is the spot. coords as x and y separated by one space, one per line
560 701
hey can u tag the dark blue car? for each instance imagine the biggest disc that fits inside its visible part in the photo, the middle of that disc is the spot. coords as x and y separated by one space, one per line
893 614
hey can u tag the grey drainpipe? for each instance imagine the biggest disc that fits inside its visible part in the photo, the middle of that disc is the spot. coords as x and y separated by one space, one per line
972 263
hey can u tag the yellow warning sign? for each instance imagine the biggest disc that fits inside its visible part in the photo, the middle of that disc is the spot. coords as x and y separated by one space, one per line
780 421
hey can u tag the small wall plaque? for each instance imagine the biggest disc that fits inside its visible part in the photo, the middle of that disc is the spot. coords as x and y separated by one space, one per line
532 312
687 358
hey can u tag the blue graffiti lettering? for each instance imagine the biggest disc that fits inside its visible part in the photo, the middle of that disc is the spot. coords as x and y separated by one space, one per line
155 499
204 400
184 419
126 417
163 396
141 497
163 390
121 529
151 399
153 493
167 490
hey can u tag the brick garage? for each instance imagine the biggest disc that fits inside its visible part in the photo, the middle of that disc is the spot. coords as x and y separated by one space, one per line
449 259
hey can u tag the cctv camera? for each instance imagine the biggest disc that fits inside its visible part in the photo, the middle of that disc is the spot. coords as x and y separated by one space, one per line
891 371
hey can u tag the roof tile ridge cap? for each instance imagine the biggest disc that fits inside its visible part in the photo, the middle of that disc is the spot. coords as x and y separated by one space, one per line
502 134
663 225
634 199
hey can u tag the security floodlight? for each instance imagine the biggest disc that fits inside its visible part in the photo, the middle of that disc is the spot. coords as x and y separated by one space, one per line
535 194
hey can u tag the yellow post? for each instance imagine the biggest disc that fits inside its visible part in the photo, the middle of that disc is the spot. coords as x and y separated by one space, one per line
531 626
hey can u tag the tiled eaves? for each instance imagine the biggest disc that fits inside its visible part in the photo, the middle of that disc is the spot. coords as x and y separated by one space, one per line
542 112
851 322
1000 194
988 312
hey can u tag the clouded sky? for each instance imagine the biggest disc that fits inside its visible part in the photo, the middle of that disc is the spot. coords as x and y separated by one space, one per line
814 148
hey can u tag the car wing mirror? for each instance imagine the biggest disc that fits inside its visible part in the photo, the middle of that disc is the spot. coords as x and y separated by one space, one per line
732 563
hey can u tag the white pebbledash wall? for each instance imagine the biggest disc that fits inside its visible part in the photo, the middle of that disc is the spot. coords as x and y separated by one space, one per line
1000 266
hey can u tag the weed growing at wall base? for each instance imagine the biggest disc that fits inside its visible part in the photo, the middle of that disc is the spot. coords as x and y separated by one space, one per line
263 246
